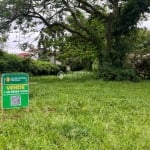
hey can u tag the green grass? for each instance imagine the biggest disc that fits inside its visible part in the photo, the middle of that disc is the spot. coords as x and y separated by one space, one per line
80 113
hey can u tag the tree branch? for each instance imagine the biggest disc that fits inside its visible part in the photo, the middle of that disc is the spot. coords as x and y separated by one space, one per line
68 28
91 9
75 17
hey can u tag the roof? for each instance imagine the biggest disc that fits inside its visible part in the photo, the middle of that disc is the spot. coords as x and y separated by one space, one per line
24 54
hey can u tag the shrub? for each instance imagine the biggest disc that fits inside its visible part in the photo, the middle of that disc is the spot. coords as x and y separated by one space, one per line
43 68
141 64
62 68
9 63
76 64
118 74
12 63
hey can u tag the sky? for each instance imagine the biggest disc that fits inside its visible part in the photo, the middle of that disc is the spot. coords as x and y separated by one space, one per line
145 24
16 38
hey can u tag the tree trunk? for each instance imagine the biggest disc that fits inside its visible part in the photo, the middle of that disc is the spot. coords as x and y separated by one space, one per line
108 37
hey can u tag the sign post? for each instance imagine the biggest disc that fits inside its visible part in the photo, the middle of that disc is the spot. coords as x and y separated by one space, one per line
15 90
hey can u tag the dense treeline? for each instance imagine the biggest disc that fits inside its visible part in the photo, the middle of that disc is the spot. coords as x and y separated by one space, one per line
105 28
12 63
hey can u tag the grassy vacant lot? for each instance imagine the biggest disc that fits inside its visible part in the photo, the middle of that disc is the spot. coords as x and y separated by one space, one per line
80 114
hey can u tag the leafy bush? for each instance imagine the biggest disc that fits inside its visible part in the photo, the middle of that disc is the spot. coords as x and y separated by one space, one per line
12 63
78 59
62 68
118 74
109 72
141 64
9 63
45 68
77 63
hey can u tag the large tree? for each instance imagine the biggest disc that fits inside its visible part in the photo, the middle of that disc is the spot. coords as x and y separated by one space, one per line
119 18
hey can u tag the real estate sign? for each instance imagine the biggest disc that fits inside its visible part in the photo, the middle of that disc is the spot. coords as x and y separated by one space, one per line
15 90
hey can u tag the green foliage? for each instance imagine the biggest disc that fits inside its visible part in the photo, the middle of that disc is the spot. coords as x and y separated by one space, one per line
104 26
141 64
50 41
129 15
77 58
76 64
12 63
117 74
43 68
139 58
142 42
62 68
143 68
71 50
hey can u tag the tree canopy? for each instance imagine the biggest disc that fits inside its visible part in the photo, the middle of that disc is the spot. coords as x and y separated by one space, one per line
123 14
118 17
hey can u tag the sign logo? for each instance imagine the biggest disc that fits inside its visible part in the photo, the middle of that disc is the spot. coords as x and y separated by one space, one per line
7 79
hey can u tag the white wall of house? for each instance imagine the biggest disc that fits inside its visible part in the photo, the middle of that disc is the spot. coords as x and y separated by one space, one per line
54 61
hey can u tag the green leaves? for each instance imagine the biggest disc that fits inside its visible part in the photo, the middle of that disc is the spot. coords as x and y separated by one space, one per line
104 26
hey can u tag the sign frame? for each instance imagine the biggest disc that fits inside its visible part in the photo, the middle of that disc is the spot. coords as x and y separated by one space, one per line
14 90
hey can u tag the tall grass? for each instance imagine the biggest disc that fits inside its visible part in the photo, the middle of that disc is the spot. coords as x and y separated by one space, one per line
80 113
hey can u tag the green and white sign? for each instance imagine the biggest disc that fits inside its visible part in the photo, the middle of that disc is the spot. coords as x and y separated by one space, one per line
15 90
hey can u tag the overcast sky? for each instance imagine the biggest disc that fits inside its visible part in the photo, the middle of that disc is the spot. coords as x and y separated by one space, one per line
15 39
145 24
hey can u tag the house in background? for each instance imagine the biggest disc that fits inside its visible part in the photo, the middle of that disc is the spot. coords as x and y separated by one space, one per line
32 53
24 55
27 54
53 59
